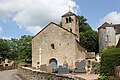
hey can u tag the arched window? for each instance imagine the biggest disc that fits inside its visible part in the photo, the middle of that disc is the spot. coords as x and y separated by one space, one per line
66 20
107 38
70 20
52 46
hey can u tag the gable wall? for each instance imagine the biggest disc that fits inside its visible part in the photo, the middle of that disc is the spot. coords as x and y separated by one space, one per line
64 46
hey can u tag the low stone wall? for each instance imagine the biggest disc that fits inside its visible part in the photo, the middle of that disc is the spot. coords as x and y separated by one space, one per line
14 66
30 74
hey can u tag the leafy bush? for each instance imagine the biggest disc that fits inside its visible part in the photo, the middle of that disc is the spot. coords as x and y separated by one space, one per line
89 40
102 77
96 67
110 58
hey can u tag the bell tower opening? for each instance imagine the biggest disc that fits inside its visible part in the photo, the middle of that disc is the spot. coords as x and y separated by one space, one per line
70 22
66 20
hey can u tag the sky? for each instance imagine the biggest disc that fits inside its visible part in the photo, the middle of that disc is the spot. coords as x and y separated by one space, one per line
27 17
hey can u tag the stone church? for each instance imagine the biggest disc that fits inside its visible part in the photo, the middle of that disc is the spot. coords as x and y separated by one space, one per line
56 45
109 35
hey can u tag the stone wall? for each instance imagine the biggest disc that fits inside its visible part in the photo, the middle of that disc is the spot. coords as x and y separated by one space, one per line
64 46
107 37
73 25
30 74
13 66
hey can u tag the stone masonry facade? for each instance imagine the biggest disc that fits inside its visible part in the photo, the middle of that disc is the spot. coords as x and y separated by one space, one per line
58 43
109 35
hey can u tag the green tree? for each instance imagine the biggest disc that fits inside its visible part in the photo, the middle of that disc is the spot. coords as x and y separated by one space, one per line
83 25
4 48
89 40
13 45
21 49
88 37
25 48
110 58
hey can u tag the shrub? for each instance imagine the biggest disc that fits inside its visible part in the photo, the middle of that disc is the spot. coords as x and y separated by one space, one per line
96 67
110 58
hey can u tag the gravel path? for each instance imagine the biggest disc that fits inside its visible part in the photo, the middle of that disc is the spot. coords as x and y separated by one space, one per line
8 75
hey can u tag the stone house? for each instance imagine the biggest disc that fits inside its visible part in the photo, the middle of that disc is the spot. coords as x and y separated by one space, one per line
91 59
55 45
109 35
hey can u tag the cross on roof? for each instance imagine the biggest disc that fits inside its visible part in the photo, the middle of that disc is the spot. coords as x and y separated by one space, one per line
69 8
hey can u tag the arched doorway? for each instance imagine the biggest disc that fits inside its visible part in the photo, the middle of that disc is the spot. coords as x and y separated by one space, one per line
53 63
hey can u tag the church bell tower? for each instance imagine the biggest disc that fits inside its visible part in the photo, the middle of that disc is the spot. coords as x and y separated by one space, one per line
70 22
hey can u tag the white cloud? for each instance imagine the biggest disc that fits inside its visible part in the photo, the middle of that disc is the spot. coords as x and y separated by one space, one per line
35 14
112 17
33 29
3 37
1 30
